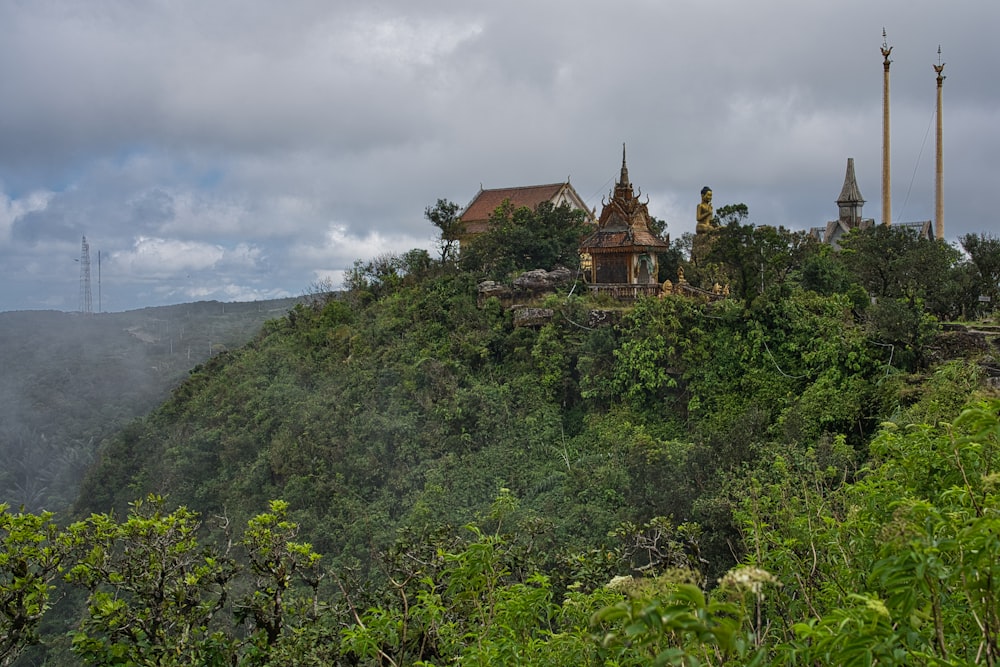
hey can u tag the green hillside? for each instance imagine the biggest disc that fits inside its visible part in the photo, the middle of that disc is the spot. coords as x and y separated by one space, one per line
410 404
418 471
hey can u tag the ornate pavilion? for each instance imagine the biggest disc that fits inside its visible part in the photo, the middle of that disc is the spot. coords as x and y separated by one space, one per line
623 249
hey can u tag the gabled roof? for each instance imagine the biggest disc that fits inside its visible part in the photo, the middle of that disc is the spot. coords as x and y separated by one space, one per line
486 201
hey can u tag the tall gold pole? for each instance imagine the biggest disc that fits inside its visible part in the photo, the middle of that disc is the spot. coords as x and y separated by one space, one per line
886 186
939 166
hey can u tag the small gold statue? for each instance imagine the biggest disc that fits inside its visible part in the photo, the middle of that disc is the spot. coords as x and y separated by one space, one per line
704 212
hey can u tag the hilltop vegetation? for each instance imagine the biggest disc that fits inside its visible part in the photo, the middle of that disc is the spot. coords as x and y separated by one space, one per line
748 474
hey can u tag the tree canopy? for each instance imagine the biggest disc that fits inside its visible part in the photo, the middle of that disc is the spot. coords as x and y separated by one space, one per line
520 239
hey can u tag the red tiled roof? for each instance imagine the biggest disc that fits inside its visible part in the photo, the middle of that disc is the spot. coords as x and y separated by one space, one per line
487 201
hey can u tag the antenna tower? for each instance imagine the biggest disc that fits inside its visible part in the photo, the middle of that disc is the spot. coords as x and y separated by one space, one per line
86 299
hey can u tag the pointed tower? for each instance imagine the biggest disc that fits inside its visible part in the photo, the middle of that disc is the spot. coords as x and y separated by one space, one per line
886 188
849 216
623 188
939 163
850 201
624 248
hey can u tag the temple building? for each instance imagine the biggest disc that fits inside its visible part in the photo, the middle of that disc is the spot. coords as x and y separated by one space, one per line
476 216
849 205
623 249
850 200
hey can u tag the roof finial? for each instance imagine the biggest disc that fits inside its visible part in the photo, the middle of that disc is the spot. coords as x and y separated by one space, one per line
886 49
624 177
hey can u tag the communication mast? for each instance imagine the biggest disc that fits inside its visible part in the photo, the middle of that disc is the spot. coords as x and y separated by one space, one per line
86 299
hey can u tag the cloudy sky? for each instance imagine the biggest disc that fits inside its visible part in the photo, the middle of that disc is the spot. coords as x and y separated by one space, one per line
246 149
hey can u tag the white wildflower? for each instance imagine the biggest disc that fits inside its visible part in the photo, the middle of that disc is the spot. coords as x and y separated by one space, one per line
748 579
620 583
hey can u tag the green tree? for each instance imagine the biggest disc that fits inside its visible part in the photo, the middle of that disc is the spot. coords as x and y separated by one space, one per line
415 265
757 258
729 214
913 282
29 560
157 596
386 273
824 273
651 344
984 251
675 257
473 609
376 277
278 563
153 590
519 239
896 263
444 216
659 228
897 566
904 328
683 626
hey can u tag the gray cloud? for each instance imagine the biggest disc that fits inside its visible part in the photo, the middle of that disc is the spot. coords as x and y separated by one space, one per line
246 149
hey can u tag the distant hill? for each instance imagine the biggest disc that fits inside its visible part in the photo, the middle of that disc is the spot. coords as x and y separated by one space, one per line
69 380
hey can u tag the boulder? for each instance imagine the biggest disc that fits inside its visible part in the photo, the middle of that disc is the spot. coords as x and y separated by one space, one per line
532 317
603 318
537 280
489 288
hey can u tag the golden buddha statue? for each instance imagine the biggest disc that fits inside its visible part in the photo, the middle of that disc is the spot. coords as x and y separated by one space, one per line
704 213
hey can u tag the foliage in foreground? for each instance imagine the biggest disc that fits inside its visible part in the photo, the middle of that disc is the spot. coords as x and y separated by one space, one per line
899 566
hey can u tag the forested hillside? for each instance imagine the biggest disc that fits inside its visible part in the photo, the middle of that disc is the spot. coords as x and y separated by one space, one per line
671 480
408 403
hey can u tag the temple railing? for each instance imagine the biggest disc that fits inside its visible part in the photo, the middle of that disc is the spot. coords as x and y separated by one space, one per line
696 292
631 292
625 291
